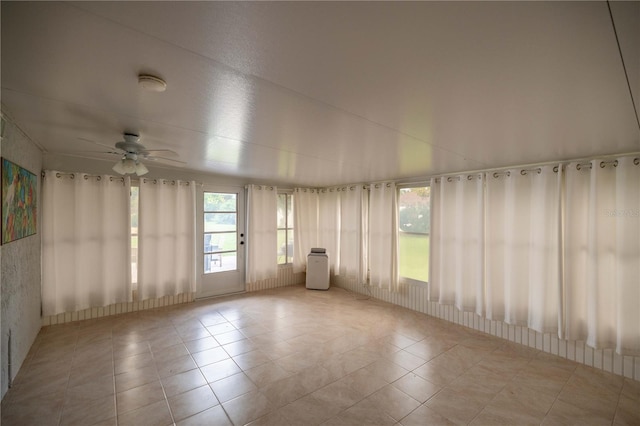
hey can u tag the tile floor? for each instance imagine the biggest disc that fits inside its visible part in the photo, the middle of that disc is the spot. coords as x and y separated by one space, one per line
293 356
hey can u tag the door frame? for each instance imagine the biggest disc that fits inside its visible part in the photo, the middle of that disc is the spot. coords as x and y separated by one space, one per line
229 282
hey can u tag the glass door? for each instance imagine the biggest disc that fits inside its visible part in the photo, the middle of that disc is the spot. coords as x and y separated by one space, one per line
221 241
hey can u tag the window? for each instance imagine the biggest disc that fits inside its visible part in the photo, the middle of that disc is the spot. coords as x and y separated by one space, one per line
285 229
413 234
220 232
134 234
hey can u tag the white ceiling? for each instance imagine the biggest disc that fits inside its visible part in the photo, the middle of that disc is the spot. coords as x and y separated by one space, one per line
322 93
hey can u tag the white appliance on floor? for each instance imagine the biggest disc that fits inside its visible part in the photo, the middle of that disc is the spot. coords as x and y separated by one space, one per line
318 269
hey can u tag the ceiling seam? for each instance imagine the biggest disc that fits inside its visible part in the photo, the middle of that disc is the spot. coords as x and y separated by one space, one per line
624 67
248 75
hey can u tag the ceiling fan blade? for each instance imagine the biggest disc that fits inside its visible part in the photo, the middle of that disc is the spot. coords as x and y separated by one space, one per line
96 143
163 151
119 154
169 161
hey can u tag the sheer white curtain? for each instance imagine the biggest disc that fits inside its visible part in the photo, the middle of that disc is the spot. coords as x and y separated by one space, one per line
262 234
352 241
166 238
351 233
383 236
602 265
329 226
85 239
305 226
457 242
523 247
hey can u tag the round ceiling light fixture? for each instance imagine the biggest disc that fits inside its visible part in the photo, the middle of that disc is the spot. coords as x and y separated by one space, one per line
152 83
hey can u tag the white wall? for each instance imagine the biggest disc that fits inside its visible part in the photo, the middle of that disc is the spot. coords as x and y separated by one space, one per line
20 265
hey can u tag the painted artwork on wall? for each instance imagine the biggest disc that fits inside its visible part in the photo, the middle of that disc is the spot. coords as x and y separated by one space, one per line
19 203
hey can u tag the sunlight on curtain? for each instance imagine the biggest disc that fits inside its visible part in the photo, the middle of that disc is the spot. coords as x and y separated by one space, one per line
383 236
352 238
305 226
457 242
262 237
522 247
329 226
166 238
602 242
85 239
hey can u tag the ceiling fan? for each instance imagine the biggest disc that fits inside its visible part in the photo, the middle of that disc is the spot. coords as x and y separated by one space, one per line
132 153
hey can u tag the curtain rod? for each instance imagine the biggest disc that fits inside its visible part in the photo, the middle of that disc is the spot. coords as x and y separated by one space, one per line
85 175
530 167
534 166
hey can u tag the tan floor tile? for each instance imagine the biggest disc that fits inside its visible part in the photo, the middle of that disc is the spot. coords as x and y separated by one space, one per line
162 342
406 360
309 410
265 374
627 412
192 402
364 382
285 391
253 330
247 407
426 350
89 373
232 387
170 353
339 394
200 345
113 421
366 412
88 412
93 356
141 396
134 378
126 349
156 414
39 410
416 387
212 416
133 362
195 333
295 363
394 402
275 418
220 370
527 399
590 402
182 382
96 389
221 328
562 413
251 359
422 416
210 356
454 407
175 366
240 347
386 370
229 337
507 416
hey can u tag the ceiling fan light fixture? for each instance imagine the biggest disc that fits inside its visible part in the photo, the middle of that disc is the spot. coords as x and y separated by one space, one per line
141 169
129 165
152 83
119 168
